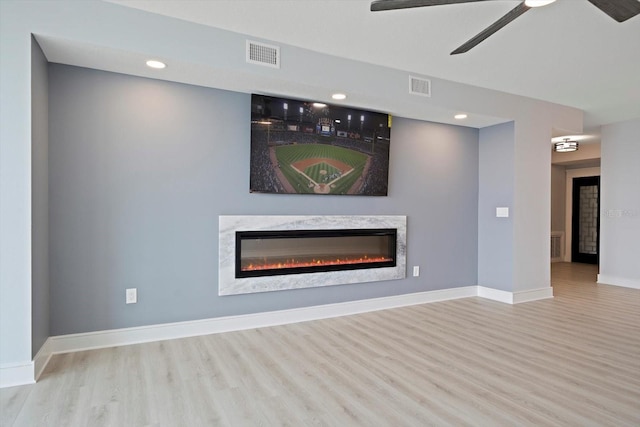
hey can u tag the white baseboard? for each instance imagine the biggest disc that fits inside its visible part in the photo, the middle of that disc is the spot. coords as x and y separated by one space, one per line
605 279
515 297
42 358
16 374
532 295
495 294
142 334
25 373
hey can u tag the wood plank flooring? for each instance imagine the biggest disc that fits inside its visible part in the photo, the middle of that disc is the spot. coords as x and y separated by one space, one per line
569 361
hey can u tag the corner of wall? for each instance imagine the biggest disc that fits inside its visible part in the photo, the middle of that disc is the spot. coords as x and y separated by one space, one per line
39 198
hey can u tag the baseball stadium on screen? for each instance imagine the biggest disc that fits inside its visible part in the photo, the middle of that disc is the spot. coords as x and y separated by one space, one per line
305 147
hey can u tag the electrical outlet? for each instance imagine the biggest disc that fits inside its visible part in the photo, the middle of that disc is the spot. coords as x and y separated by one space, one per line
132 296
416 271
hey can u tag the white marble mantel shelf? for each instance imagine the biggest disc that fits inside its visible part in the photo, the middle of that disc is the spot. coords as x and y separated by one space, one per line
229 224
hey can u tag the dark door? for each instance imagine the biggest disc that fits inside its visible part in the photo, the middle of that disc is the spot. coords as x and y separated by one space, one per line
585 222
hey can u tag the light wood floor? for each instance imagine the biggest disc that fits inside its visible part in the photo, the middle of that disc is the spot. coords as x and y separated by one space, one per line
573 360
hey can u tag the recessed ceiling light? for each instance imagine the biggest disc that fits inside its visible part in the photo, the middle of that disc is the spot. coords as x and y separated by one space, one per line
319 105
460 116
156 64
339 96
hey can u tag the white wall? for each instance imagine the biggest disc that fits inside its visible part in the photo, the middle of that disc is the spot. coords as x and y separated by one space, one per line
620 205
15 191
532 203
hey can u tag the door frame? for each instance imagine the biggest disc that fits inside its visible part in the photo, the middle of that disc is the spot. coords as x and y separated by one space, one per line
573 173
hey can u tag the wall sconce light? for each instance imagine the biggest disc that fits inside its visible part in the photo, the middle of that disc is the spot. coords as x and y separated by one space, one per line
565 146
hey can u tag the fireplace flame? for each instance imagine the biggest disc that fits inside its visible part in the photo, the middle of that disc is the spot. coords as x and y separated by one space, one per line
293 263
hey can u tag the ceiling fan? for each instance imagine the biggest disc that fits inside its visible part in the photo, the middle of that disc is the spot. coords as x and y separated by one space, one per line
620 10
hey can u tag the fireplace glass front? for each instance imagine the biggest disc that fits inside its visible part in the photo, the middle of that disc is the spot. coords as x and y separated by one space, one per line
268 253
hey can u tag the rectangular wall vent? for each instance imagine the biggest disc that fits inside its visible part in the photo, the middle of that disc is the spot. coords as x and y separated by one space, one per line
263 54
419 86
557 246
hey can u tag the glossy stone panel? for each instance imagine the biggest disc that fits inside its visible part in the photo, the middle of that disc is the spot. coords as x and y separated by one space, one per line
229 224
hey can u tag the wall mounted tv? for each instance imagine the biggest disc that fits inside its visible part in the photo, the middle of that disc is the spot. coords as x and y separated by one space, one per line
305 147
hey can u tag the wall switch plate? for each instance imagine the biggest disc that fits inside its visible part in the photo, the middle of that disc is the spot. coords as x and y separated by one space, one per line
502 212
132 296
416 271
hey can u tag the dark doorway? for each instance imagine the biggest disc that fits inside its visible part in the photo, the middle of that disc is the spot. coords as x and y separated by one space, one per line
585 221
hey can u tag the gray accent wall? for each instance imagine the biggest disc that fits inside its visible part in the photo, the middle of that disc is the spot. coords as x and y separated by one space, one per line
39 199
620 204
496 189
141 169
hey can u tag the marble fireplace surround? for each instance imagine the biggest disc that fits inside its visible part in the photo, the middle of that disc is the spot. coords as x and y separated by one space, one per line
228 284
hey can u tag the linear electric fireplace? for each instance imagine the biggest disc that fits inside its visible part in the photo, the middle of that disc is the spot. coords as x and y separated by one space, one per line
278 252
265 253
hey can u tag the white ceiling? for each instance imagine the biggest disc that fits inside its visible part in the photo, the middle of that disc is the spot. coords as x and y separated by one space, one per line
568 53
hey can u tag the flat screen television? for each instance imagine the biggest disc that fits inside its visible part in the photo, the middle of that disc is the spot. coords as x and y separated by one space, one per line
306 147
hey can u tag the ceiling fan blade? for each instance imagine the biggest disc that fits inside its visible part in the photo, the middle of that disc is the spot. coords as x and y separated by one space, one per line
620 10
510 16
378 5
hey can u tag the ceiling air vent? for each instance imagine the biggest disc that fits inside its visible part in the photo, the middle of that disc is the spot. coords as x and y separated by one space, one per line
419 86
263 54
